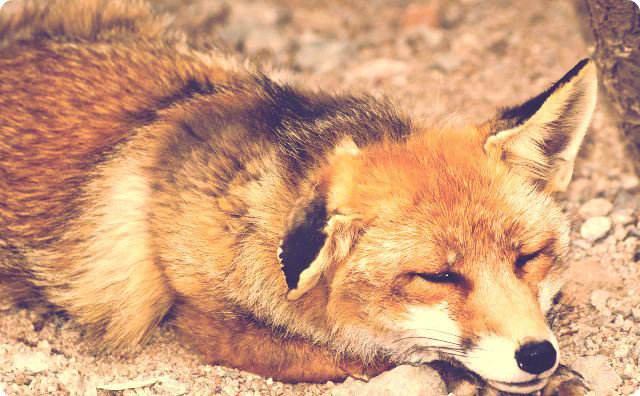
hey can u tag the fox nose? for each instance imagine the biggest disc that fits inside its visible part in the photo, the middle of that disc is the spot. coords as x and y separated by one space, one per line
536 357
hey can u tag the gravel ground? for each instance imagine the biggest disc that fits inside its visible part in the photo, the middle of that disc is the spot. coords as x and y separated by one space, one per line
462 56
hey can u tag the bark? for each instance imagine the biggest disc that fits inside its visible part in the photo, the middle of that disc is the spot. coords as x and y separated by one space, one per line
616 32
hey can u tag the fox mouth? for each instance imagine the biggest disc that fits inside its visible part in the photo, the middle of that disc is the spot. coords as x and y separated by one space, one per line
519 387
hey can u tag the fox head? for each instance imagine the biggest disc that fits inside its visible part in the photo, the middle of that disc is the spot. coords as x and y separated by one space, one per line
451 244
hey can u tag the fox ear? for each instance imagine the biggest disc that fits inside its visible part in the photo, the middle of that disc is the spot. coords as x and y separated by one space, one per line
313 241
541 137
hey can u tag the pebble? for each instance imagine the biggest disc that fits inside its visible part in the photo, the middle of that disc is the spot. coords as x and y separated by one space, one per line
619 232
635 352
172 386
31 362
595 228
598 372
599 298
70 382
402 380
629 182
378 69
594 208
582 244
623 217
621 351
44 345
629 371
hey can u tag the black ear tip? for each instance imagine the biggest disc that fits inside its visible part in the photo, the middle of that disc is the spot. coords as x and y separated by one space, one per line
574 71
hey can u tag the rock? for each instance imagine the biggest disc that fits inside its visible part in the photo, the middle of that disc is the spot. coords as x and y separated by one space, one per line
172 386
597 371
629 182
31 362
595 228
419 14
635 312
22 379
623 217
625 200
594 208
402 380
582 244
635 352
89 386
621 351
629 371
599 299
319 54
580 189
70 382
378 69
619 232
44 345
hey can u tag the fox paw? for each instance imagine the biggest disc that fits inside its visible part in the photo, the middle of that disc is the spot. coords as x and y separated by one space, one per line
566 382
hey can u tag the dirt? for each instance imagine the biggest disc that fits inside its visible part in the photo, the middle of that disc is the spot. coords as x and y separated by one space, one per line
464 57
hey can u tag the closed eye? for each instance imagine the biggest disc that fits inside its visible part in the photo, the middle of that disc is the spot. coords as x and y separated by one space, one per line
440 277
523 259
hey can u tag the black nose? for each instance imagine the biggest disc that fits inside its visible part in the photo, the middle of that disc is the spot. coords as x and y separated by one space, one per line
536 357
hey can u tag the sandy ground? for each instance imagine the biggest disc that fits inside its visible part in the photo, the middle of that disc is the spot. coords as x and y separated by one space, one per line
461 56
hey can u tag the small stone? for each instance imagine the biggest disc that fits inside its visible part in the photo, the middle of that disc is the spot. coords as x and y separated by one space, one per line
635 312
70 382
269 381
595 228
44 345
621 351
22 379
172 386
618 321
619 232
402 380
635 352
378 69
629 182
598 372
623 216
580 189
595 208
629 371
89 386
31 362
599 298
582 244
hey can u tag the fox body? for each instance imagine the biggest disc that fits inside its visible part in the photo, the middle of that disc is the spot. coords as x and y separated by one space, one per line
295 234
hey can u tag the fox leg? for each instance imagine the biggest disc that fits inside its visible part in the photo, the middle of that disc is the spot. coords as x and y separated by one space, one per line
232 340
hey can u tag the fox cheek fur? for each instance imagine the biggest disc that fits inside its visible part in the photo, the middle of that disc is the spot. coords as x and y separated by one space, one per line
295 234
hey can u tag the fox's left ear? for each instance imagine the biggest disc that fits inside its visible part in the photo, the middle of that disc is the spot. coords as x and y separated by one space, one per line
541 137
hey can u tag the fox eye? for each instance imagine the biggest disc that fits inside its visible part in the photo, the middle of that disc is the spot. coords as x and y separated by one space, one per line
441 277
525 258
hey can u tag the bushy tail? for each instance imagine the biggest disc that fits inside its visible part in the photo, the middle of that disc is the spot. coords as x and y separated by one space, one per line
85 20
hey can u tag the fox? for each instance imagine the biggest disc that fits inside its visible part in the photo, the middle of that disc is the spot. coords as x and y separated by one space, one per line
294 233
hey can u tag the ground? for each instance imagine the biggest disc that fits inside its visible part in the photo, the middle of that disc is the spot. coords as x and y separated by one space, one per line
462 56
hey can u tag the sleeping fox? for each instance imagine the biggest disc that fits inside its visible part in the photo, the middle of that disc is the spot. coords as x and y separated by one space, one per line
293 233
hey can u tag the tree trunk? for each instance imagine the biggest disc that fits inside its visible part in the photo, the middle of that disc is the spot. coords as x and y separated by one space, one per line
616 31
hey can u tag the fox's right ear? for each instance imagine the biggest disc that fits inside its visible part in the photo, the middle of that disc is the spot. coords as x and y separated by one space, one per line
540 138
314 240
